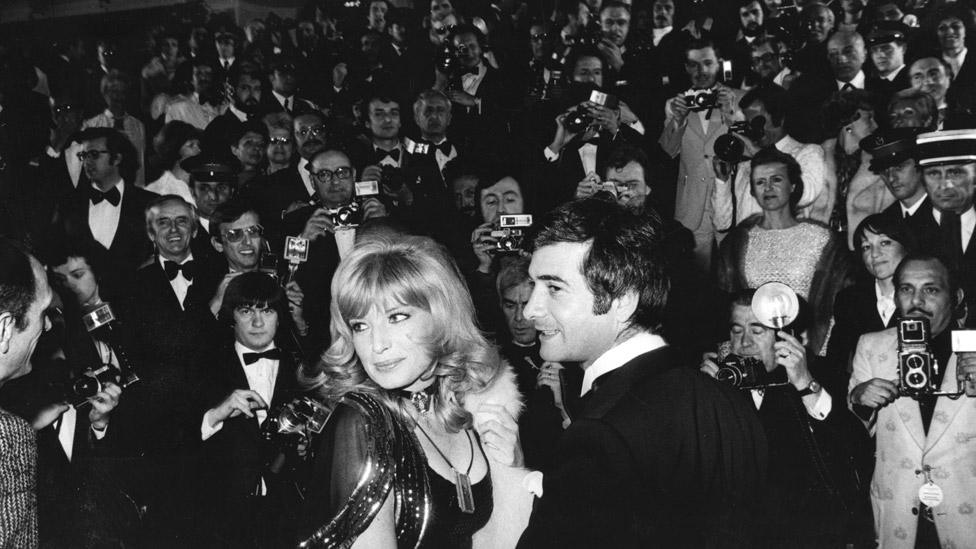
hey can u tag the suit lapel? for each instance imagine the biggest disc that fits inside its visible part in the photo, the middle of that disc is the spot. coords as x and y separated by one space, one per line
158 278
911 418
945 408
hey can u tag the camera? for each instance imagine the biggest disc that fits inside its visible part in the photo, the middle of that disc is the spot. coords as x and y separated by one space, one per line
351 215
90 383
579 119
291 425
743 372
509 233
917 365
447 61
701 100
729 148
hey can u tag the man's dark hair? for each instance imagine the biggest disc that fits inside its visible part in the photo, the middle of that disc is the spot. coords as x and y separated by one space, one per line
772 96
229 212
252 289
118 145
308 113
624 255
612 4
381 97
245 68
772 155
577 53
467 28
626 153
240 130
774 41
17 285
700 44
80 247
889 226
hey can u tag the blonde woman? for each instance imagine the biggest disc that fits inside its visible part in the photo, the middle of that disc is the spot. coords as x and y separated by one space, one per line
421 449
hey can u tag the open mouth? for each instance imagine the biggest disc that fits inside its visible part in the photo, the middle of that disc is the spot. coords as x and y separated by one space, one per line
547 334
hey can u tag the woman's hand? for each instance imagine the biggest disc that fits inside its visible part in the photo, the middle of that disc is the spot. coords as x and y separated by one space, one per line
499 434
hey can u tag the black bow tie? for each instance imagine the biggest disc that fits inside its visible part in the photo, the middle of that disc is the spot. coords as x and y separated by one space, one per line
172 268
112 195
382 155
444 147
270 354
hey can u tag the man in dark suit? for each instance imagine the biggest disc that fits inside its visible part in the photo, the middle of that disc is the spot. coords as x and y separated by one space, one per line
111 210
24 299
660 455
284 85
158 425
213 182
893 158
251 377
887 43
809 429
949 170
245 105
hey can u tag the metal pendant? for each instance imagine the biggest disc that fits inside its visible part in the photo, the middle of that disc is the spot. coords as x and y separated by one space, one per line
422 401
465 495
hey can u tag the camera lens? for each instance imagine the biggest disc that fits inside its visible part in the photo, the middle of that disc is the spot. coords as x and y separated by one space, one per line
729 149
86 386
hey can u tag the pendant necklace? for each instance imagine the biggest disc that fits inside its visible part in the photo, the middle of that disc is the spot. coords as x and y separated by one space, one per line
462 481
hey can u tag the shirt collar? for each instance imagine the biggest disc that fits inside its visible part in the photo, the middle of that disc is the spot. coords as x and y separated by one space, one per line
857 81
241 115
240 349
914 207
786 143
968 218
658 34
619 355
281 98
894 74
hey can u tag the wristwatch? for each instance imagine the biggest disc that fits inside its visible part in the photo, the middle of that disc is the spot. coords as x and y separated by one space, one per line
814 387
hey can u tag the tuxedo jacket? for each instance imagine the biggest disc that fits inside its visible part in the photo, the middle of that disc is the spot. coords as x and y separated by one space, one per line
949 448
922 223
131 245
661 456
235 459
271 196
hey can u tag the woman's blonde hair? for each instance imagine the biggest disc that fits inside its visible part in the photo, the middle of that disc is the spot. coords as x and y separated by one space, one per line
417 272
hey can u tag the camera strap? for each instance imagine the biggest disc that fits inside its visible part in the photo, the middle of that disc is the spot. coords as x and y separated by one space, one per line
813 449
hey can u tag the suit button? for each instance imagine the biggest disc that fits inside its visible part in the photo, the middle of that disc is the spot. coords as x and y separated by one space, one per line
915 511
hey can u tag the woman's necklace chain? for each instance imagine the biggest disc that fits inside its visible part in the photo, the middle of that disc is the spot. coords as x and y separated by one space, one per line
462 484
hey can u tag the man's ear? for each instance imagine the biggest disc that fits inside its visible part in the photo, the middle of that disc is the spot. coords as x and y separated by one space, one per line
624 306
216 244
7 329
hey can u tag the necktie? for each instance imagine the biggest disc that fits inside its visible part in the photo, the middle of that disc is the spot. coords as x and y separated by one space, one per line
288 104
847 86
270 354
112 195
444 147
382 155
173 268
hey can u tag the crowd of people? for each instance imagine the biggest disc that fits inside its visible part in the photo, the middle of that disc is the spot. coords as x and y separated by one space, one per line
398 273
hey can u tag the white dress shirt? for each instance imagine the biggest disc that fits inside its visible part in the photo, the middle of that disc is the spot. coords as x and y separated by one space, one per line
287 103
820 408
103 218
885 303
910 211
306 177
442 158
658 34
857 81
179 284
619 355
471 82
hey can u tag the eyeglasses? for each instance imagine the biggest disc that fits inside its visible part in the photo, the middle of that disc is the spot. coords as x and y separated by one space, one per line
279 141
305 132
236 235
91 154
326 176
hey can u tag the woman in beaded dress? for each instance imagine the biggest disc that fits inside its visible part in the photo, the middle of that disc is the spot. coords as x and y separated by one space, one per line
421 449
776 246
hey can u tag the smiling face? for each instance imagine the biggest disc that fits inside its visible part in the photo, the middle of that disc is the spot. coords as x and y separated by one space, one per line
502 198
255 327
561 307
392 345
771 186
244 254
951 33
514 301
172 229
750 338
929 75
79 279
881 254
923 291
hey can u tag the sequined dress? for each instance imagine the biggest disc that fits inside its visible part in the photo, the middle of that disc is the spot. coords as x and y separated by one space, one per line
365 454
785 255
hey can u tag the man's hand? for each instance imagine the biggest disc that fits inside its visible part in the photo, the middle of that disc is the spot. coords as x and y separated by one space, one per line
607 119
627 115
462 98
241 401
218 298
373 172
102 405
320 223
679 109
726 99
48 415
499 434
611 52
563 135
481 242
296 306
791 355
339 73
750 148
549 376
875 393
723 169
709 365
373 209
588 186
966 372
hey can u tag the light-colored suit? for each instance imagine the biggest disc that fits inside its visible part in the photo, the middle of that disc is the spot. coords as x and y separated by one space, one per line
903 447
696 178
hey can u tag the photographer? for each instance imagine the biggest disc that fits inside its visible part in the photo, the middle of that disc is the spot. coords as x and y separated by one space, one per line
924 447
812 497
247 505
765 112
693 138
